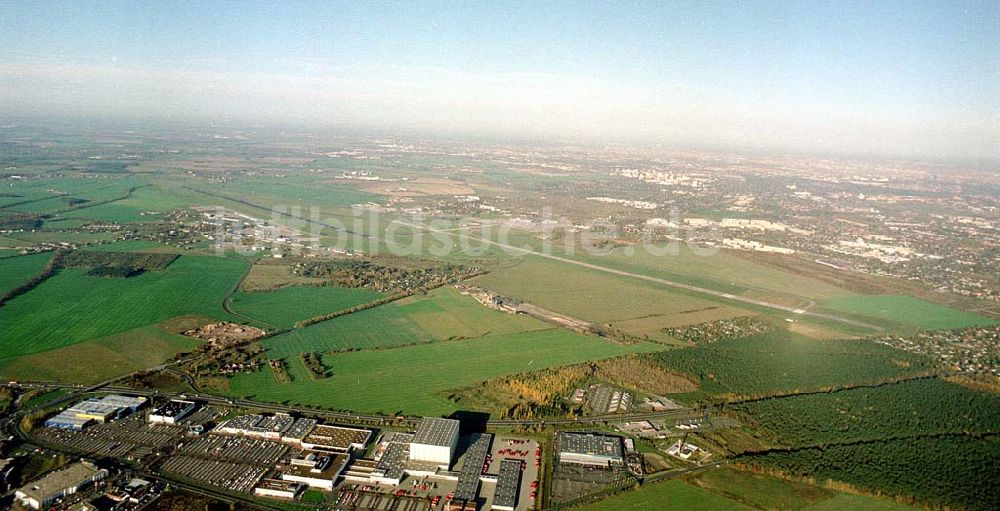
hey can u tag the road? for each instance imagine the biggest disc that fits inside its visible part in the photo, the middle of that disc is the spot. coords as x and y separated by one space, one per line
656 280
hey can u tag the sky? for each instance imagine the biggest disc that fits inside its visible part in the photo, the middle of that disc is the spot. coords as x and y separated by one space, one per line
902 78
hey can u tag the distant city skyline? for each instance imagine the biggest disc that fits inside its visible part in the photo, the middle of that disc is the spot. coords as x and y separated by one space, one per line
899 78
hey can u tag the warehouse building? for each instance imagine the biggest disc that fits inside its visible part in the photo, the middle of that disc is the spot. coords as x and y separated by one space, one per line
435 441
590 449
337 439
267 427
67 420
59 484
98 410
171 412
298 431
472 467
393 460
315 469
508 486
279 489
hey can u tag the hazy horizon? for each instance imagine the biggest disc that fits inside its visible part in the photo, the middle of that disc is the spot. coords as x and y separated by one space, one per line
909 79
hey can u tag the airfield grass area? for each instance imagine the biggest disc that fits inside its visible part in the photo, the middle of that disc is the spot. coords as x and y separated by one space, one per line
144 204
442 314
111 356
71 307
284 307
15 271
591 295
904 309
414 379
720 270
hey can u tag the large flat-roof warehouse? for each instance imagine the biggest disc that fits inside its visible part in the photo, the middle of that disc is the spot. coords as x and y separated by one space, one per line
336 439
508 485
591 449
171 412
472 466
59 484
435 440
95 409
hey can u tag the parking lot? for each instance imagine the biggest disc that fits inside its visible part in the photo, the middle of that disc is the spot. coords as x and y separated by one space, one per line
128 437
238 449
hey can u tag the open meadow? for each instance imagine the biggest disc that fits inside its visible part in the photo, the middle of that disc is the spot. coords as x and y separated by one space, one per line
17 270
595 296
442 314
907 310
71 307
282 308
414 379
107 357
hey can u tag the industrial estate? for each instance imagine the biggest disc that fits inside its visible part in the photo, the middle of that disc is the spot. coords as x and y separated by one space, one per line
495 256
176 337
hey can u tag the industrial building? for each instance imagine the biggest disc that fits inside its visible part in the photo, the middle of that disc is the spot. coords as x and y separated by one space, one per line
508 486
95 409
59 484
336 439
392 462
172 412
316 470
267 427
435 441
472 467
297 431
279 489
591 449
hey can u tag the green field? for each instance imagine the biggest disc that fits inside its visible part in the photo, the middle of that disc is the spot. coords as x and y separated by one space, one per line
294 190
47 195
107 357
592 295
128 246
785 362
766 492
907 310
674 494
147 199
415 379
15 271
283 307
443 314
723 271
78 238
71 307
